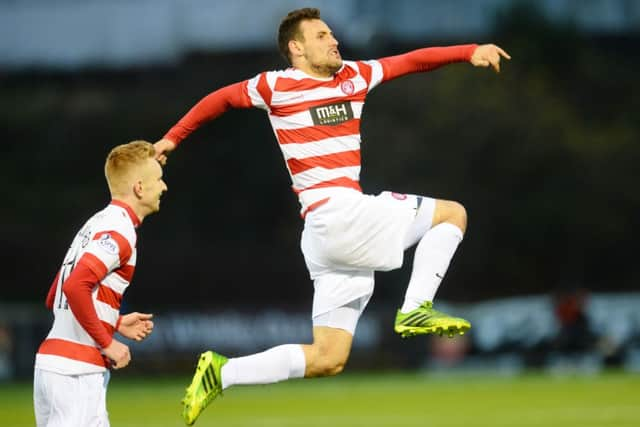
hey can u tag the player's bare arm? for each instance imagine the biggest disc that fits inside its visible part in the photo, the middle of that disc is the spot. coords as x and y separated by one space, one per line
136 326
488 55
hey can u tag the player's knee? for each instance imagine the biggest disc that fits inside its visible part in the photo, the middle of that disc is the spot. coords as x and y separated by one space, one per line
456 214
330 366
325 365
461 216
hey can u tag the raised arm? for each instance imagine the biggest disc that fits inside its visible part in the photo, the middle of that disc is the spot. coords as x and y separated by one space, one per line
207 109
430 58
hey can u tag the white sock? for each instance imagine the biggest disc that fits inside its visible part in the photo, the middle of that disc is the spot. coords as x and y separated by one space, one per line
430 263
276 364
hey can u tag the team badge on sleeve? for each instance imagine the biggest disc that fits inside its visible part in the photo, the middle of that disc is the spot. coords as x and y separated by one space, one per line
108 244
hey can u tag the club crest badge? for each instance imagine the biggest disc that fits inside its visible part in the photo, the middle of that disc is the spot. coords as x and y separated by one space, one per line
347 87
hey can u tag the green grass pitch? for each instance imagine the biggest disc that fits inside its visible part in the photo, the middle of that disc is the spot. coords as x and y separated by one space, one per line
371 400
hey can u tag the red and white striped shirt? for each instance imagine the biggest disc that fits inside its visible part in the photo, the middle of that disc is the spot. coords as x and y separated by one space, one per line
317 121
86 293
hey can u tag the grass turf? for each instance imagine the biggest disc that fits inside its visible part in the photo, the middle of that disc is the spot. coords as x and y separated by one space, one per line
376 399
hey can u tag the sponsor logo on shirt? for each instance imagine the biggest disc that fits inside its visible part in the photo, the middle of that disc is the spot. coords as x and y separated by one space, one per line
108 244
332 114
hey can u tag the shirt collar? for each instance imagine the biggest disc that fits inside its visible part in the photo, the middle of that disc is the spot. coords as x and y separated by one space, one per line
126 207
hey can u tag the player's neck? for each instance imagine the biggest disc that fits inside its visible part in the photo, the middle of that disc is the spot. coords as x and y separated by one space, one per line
134 206
315 72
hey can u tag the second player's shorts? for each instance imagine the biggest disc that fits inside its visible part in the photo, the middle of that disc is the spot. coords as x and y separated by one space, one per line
70 400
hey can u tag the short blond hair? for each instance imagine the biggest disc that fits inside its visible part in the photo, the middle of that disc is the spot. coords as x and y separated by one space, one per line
122 160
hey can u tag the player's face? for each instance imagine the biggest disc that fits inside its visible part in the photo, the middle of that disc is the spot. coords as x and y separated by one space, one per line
152 186
320 48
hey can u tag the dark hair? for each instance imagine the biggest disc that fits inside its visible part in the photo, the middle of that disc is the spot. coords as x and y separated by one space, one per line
290 28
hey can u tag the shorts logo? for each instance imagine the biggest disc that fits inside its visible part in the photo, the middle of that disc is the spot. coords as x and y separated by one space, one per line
399 196
347 87
332 114
108 244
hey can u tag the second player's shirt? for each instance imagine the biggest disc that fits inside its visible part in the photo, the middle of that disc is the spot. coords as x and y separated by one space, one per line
106 245
316 121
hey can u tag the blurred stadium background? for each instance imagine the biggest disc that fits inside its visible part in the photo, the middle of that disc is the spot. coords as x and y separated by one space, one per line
544 157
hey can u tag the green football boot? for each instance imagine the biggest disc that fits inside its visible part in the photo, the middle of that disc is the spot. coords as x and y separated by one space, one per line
427 320
205 386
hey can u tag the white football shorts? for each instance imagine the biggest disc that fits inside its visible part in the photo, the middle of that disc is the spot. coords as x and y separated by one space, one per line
347 239
345 317
70 400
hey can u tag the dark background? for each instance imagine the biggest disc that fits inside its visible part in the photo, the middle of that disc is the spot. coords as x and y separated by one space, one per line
543 155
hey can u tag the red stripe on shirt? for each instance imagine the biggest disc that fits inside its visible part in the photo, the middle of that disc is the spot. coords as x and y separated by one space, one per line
298 107
263 89
328 161
338 182
109 296
286 84
95 264
313 206
52 292
317 133
126 272
123 245
365 71
72 350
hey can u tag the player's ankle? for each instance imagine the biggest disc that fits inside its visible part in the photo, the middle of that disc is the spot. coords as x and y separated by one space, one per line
410 304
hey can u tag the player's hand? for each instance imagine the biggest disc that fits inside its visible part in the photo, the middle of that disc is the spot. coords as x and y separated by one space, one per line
118 353
163 148
136 326
488 55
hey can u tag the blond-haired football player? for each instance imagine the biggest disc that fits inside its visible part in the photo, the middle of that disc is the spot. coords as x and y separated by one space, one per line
72 364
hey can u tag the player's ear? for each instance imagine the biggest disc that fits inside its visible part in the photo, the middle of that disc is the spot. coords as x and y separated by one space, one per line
295 47
137 189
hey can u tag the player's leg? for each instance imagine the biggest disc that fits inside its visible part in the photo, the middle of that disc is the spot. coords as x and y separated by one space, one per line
327 355
41 398
215 373
329 352
70 400
438 229
333 333
332 337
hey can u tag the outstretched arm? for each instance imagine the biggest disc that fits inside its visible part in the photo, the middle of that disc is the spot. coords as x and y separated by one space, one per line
430 58
207 109
488 55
